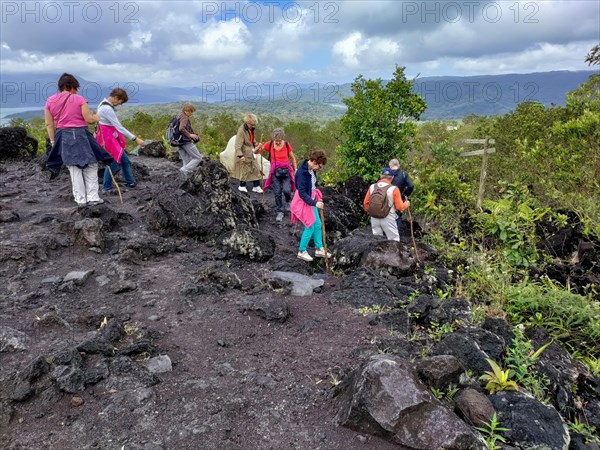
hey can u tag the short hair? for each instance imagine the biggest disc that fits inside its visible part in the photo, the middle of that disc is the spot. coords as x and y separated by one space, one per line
278 134
393 162
319 157
249 116
119 94
66 82
189 107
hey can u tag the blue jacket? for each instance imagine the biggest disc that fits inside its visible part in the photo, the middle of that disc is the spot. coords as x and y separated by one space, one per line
304 185
404 183
76 147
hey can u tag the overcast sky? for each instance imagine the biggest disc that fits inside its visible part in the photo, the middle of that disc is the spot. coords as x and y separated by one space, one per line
188 43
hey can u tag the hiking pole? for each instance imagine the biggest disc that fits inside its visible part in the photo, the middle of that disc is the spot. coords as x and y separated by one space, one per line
262 175
115 183
324 238
412 233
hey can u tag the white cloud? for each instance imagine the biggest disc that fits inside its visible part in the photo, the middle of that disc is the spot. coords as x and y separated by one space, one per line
181 42
357 51
225 41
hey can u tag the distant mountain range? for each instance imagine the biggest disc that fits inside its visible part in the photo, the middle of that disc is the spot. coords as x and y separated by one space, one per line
446 97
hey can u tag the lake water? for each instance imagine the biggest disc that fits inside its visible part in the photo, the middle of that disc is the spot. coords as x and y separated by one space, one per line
9 111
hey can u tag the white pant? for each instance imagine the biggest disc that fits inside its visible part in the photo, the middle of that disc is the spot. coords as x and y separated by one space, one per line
386 226
190 156
85 183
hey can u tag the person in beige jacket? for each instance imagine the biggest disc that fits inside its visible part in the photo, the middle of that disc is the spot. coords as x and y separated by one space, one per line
246 167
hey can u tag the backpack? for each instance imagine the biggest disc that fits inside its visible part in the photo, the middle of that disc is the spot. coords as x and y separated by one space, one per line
173 135
379 207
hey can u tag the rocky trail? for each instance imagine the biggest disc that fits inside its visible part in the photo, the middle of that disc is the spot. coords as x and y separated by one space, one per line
182 319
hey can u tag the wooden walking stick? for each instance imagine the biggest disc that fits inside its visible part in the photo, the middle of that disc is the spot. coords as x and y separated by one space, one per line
324 237
412 233
115 183
262 175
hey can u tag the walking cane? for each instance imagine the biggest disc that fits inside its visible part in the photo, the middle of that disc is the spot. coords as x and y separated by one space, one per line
324 238
115 183
412 233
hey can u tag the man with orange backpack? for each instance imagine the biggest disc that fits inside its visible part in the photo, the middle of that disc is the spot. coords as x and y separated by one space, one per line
381 202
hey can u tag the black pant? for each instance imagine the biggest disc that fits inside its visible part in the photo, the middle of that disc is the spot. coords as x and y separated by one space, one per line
282 186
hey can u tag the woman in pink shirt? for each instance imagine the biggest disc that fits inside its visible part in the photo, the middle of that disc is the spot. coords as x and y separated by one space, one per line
67 115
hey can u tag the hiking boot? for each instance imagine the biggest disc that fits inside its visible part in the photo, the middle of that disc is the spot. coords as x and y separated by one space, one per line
257 189
242 189
131 185
279 217
304 256
320 253
96 202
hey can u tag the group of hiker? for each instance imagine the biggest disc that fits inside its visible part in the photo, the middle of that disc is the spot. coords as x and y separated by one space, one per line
67 115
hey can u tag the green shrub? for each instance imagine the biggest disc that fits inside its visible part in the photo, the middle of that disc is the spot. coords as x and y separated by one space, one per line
572 319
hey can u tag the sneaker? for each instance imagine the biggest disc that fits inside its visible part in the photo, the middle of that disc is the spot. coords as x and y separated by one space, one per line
108 191
304 256
257 189
279 217
131 185
242 189
96 202
320 253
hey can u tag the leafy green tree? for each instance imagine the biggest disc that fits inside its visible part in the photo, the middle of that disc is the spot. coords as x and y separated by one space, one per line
593 57
378 124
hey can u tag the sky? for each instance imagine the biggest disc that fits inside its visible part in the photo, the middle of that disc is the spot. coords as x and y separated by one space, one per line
190 43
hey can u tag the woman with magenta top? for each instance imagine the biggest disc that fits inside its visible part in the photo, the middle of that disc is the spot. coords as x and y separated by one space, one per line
67 116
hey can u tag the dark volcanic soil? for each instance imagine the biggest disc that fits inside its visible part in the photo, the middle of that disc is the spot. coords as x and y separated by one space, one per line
238 381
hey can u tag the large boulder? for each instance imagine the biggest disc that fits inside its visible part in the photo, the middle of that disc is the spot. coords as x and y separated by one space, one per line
341 214
472 347
363 287
385 257
16 143
202 206
249 243
155 149
385 398
530 423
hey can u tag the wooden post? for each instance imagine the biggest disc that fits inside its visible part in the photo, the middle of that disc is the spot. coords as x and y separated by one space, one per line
483 175
484 163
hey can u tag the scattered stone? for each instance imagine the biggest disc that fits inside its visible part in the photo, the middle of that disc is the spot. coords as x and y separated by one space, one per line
78 277
154 318
102 280
440 371
474 406
124 286
301 285
12 340
266 306
159 364
52 280
9 216
77 401
69 379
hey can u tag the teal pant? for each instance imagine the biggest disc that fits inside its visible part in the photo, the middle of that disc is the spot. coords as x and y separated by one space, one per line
313 232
